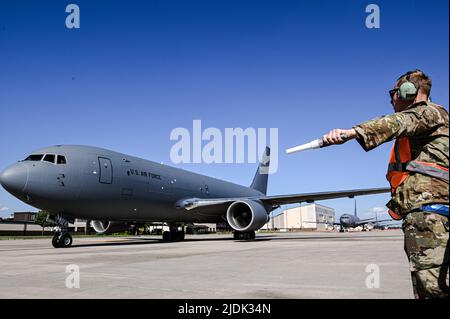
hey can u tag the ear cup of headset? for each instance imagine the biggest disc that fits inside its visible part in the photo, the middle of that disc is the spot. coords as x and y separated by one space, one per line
407 91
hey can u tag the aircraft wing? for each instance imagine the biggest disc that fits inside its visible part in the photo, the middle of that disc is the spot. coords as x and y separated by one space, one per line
325 223
276 201
373 221
311 197
361 222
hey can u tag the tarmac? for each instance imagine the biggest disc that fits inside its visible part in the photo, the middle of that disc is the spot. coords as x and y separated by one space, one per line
276 265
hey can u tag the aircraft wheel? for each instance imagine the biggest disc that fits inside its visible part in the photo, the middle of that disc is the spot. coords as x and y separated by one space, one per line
55 242
176 235
250 235
166 236
173 235
65 241
244 236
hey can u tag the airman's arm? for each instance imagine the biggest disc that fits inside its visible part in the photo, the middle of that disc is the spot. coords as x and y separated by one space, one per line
419 120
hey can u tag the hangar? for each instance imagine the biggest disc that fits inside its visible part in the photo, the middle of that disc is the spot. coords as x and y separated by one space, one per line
304 217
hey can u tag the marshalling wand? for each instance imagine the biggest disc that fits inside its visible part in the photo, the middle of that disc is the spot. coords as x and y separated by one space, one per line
312 145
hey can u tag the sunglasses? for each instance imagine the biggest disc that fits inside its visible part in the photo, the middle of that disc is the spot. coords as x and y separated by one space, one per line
392 92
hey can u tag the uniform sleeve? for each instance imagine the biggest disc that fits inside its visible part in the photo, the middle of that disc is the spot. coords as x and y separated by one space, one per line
415 121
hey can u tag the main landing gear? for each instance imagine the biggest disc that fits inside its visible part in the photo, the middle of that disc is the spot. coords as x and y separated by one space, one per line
246 236
175 233
61 237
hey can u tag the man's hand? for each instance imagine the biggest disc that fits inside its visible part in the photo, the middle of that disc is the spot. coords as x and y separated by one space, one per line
336 136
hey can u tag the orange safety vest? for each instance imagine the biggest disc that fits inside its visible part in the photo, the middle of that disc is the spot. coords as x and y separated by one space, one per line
400 165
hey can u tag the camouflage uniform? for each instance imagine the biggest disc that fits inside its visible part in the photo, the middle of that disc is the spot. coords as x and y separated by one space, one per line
426 234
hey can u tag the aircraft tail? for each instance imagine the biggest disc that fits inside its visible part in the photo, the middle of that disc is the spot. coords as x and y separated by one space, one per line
262 174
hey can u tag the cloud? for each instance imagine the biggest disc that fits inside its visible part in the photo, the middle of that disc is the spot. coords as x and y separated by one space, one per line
378 209
3 208
375 212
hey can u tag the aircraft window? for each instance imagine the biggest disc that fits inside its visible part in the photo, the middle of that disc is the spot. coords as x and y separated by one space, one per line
49 158
34 157
61 160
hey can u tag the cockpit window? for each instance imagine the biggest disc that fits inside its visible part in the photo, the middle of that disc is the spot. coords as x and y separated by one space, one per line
49 158
61 160
34 157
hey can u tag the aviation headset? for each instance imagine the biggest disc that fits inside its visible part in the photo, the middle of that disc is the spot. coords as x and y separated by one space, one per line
407 91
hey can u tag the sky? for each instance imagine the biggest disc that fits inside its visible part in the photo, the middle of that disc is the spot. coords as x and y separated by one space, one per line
136 70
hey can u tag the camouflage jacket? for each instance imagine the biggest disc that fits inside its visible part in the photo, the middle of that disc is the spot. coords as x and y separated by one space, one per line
426 125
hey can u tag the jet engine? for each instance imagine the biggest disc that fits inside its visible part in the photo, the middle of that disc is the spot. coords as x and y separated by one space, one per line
108 227
247 215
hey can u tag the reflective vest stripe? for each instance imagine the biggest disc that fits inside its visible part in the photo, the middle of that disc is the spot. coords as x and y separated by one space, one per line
429 169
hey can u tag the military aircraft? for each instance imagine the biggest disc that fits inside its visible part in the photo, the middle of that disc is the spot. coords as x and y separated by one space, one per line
115 190
351 221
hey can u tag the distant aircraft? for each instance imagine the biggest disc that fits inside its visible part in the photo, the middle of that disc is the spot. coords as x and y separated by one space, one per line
351 221
115 190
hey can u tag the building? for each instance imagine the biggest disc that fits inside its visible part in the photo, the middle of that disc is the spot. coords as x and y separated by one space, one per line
305 217
24 217
23 224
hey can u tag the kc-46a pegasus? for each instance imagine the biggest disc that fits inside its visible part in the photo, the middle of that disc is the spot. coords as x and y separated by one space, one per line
115 190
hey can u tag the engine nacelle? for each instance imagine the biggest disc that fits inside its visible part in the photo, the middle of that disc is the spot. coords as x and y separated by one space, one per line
107 227
247 215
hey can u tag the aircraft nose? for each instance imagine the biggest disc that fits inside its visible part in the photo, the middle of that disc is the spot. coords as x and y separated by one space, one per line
14 178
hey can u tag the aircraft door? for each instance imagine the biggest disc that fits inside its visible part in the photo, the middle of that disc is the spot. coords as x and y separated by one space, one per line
106 170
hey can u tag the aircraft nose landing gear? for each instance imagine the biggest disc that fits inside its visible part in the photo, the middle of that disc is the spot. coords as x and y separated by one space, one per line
61 240
61 237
